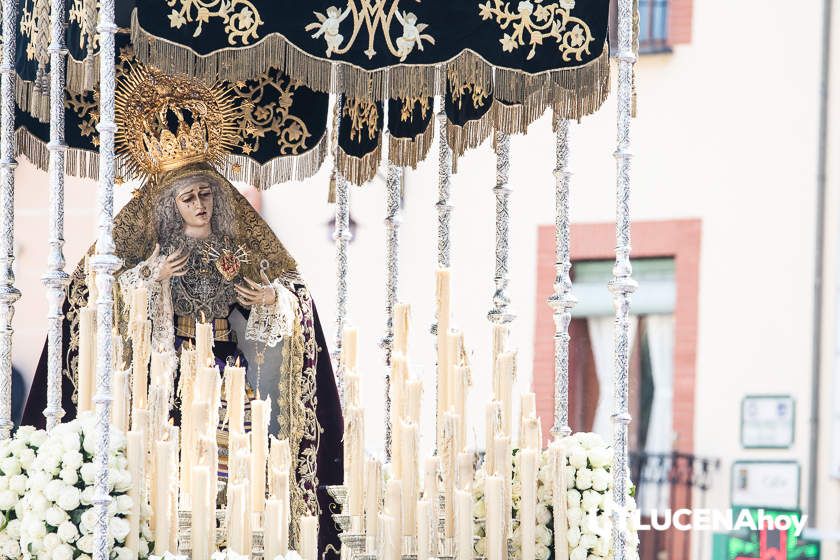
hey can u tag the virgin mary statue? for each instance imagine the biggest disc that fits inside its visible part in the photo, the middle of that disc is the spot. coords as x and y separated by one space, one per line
204 255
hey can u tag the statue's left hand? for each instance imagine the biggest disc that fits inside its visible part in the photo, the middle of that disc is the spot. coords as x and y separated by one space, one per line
254 293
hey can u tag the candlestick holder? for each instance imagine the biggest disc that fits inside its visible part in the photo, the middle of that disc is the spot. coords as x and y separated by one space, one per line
343 522
338 493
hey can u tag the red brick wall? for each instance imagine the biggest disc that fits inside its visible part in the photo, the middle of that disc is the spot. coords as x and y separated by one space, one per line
679 239
679 21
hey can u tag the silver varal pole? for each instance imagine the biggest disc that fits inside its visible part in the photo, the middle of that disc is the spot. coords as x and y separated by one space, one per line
8 293
342 236
501 312
622 285
393 192
104 264
561 301
444 207
55 279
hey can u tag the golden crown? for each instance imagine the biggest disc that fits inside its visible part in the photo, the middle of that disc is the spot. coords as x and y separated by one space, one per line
168 121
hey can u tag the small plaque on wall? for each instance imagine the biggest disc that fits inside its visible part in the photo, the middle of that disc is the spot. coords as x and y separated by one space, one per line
767 421
765 484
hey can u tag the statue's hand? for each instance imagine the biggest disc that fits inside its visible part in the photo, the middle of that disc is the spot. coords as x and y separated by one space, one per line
174 264
254 293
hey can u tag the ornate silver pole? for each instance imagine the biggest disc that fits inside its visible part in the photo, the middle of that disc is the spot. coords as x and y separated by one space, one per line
342 236
444 208
501 312
562 301
393 190
8 293
622 285
55 279
104 264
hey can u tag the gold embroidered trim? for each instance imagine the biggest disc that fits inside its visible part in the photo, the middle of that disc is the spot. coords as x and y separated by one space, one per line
323 74
359 170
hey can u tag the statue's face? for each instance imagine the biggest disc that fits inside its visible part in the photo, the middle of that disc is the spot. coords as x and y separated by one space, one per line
194 199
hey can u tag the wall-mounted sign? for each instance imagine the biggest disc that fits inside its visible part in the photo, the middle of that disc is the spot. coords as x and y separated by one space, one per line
765 484
767 421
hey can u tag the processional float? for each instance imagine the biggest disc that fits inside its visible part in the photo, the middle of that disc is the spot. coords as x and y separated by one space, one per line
402 73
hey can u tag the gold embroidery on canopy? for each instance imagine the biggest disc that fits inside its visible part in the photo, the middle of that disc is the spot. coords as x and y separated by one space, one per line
363 116
408 103
240 17
373 16
540 21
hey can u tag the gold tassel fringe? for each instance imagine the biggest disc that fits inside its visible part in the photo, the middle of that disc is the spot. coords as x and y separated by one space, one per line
409 152
279 170
77 163
359 170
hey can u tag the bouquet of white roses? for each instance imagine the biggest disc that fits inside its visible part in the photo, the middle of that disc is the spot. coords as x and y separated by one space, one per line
56 512
16 457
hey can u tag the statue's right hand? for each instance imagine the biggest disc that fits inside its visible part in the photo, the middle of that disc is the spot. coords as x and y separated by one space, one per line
174 264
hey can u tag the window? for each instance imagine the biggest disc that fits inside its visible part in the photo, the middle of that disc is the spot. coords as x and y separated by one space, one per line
653 26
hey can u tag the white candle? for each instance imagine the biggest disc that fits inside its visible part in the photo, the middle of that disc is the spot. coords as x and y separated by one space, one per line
424 536
352 384
135 453
238 518
354 454
164 539
498 345
464 517
449 455
454 342
528 504
557 462
119 414
87 357
204 344
309 537
393 509
260 414
507 373
466 470
431 493
504 468
271 529
493 426
462 384
409 476
203 515
140 304
387 544
402 318
284 499
414 400
398 376
349 348
373 496
531 434
235 397
494 500
443 309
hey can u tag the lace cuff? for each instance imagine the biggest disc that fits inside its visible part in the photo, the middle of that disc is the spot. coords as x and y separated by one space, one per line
160 311
270 323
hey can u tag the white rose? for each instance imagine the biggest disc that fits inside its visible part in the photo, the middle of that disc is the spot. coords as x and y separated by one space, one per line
480 547
17 445
543 535
144 547
4 483
87 496
37 530
67 532
542 552
63 552
51 463
573 536
56 516
574 516
479 510
69 476
18 483
579 553
583 480
38 481
53 489
124 504
88 472
588 541
577 457
544 494
85 544
13 529
600 479
51 540
594 557
570 477
125 554
10 466
27 457
600 456
8 499
11 549
88 521
543 514
71 442
72 459
69 499
121 481
37 439
591 500
89 444
119 528
573 498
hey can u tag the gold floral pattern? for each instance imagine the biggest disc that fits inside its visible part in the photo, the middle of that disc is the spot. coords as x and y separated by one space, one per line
408 104
241 18
35 24
372 16
261 117
477 94
540 20
363 116
84 14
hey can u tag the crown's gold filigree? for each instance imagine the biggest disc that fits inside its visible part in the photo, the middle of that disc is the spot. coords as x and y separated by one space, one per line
168 121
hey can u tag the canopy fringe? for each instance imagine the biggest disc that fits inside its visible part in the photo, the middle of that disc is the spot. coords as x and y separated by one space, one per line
33 98
359 170
409 152
77 163
279 170
512 86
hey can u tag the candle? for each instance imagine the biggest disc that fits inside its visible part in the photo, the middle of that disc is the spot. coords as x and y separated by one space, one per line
389 547
203 515
119 414
140 304
398 369
504 468
140 352
498 344
164 539
355 449
466 470
557 463
507 373
492 427
464 517
414 400
409 476
402 317
424 535
135 453
494 501
235 397
87 357
260 415
393 509
283 498
373 495
462 381
431 494
528 503
309 537
271 529
442 293
454 342
204 344
531 437
352 383
349 348
449 456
